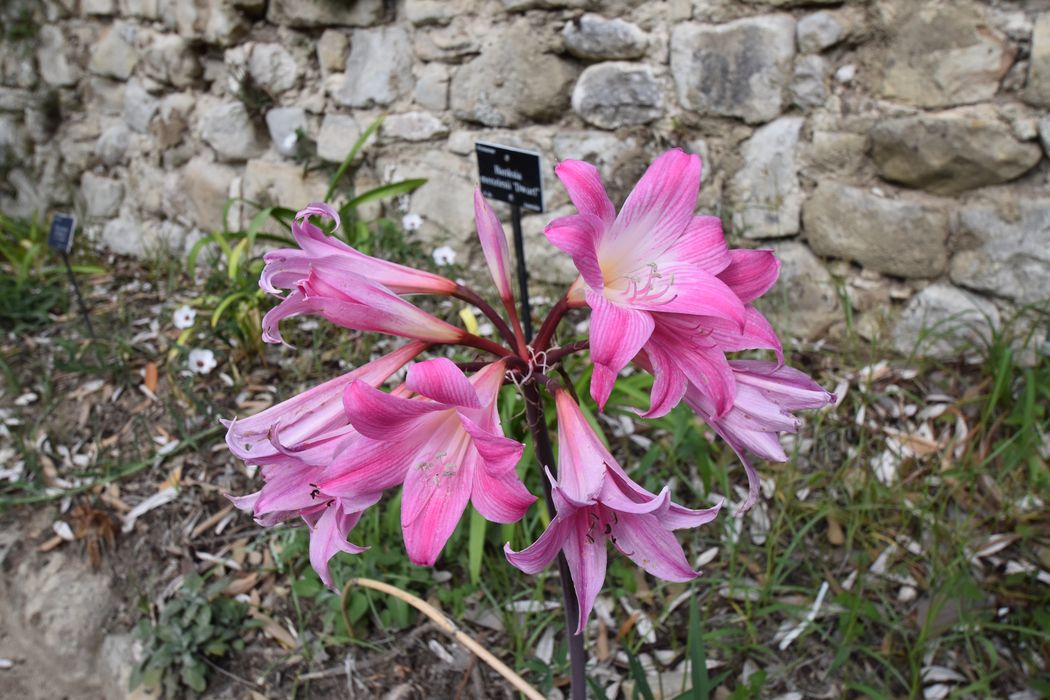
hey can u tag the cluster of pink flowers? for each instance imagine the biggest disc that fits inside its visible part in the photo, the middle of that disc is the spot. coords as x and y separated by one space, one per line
665 292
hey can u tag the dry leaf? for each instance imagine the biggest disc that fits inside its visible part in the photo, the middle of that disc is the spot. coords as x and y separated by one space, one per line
835 535
150 378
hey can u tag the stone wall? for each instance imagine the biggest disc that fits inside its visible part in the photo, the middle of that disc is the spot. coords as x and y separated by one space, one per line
892 152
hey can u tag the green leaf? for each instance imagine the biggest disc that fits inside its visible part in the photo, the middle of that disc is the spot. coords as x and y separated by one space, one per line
195 251
641 683
697 656
193 676
476 544
392 189
224 304
354 150
235 258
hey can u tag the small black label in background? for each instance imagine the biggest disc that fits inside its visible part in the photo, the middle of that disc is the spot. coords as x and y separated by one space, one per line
510 175
61 235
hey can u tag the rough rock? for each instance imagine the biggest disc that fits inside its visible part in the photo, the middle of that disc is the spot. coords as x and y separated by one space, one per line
950 152
446 198
543 261
217 22
1010 256
413 126
331 51
139 106
338 133
736 69
523 5
284 125
424 12
1037 88
805 301
809 85
942 321
170 59
820 30
56 68
173 118
765 193
226 127
114 55
945 54
319 13
513 80
454 43
379 69
112 144
49 606
284 184
146 9
834 153
615 94
607 152
98 7
273 68
207 187
1044 134
102 195
432 87
595 38
898 237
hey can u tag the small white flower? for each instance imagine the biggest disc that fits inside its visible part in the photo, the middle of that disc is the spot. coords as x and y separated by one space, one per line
184 317
444 255
411 222
202 361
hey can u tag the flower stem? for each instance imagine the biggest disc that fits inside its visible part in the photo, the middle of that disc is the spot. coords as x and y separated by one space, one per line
557 354
554 316
471 297
545 453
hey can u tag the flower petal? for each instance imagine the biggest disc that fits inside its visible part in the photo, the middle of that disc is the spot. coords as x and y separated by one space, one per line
312 413
617 334
751 273
586 556
439 379
499 497
328 535
380 416
650 546
371 467
577 236
435 496
659 209
493 245
702 244
581 455
669 383
499 454
584 185
538 555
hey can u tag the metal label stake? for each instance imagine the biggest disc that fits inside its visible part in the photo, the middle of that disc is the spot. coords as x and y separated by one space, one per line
514 176
60 238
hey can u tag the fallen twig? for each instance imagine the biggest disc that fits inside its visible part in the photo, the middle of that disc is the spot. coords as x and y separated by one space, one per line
447 625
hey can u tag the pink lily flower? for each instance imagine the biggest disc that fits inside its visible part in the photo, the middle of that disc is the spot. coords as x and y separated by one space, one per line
766 395
654 257
446 446
307 428
597 501
494 246
294 441
350 300
286 267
